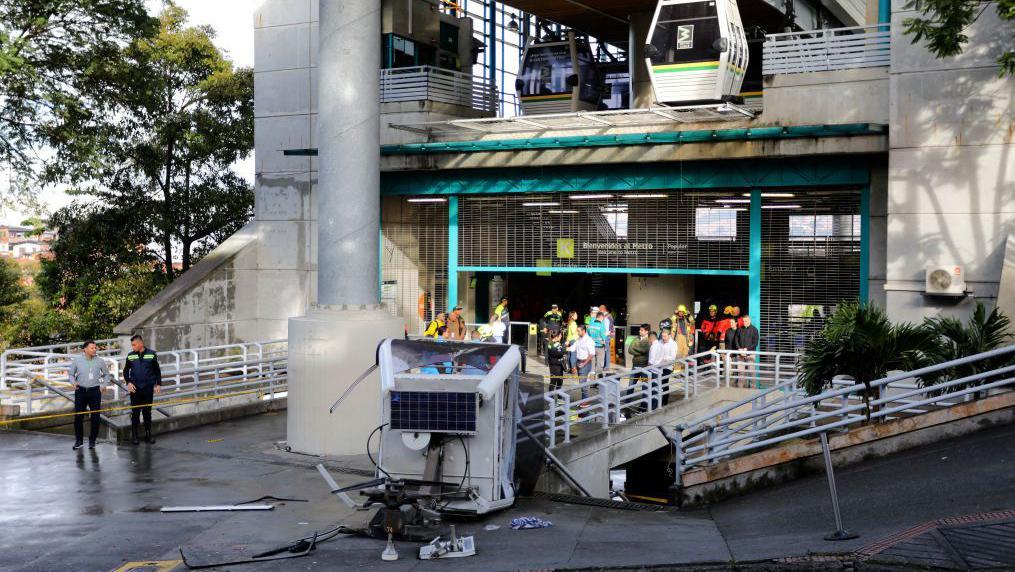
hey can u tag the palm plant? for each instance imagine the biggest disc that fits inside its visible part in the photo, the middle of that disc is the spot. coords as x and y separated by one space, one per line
858 340
983 332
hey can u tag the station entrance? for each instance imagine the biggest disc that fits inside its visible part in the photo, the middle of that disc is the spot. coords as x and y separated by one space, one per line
788 256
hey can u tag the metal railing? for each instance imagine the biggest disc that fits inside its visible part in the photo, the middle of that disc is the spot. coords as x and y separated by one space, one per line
621 397
825 50
37 380
785 412
427 83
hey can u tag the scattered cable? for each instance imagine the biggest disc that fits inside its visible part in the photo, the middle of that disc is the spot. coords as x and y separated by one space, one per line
371 457
270 497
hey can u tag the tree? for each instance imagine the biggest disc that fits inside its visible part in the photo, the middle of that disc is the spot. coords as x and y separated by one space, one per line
11 290
51 54
101 269
982 333
943 24
857 340
185 116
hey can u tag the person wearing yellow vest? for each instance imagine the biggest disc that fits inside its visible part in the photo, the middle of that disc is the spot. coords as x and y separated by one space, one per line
571 334
433 330
683 330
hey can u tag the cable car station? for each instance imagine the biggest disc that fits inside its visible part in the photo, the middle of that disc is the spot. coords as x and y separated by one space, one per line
484 164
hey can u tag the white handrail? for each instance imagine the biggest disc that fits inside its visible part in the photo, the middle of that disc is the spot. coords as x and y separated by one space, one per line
827 49
608 400
428 83
719 435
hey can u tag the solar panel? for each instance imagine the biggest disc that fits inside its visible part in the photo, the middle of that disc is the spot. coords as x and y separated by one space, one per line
433 411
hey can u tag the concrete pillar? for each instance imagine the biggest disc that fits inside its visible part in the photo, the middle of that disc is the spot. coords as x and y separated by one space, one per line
349 181
642 95
336 341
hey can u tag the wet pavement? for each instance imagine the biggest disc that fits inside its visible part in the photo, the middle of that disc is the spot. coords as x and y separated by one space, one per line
96 510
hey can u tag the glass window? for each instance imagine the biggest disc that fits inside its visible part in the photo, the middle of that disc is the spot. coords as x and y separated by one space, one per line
616 217
590 90
546 69
715 224
403 52
809 227
686 33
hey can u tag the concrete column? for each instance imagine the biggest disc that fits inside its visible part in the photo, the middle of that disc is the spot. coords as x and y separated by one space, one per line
642 95
349 152
337 340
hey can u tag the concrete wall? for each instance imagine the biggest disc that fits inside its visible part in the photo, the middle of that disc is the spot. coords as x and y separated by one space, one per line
652 298
829 97
951 193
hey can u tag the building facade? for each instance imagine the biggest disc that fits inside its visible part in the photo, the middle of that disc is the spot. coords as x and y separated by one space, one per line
847 184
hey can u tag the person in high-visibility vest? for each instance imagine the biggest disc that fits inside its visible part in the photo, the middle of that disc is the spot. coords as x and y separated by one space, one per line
683 330
433 329
570 337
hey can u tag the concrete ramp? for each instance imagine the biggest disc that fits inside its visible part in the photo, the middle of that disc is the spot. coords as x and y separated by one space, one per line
591 456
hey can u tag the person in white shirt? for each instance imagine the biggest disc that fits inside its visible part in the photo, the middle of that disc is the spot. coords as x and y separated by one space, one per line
664 357
497 327
585 351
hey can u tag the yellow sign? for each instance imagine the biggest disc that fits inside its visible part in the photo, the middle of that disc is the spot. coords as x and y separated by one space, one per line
533 329
543 263
565 248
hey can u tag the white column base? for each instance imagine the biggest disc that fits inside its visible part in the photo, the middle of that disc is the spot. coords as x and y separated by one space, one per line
328 349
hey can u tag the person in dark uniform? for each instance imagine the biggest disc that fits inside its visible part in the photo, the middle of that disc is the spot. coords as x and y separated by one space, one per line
556 360
144 382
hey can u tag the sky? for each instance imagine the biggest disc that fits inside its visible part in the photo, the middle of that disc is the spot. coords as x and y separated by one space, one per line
233 21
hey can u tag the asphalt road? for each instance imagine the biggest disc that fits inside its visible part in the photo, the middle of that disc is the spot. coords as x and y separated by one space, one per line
96 510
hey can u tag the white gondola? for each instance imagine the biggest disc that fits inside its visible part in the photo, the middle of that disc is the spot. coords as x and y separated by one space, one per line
558 76
696 51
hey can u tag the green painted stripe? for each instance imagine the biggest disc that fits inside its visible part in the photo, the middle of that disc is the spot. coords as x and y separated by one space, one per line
670 137
563 97
702 67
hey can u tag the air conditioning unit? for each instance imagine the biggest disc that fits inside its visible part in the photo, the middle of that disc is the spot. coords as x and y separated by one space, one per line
945 281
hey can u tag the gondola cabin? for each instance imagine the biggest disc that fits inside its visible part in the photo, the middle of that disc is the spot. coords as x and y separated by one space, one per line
696 51
558 76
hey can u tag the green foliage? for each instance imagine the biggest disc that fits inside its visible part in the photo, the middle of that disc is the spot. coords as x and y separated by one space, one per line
983 332
858 340
101 270
52 56
943 23
11 290
184 116
34 323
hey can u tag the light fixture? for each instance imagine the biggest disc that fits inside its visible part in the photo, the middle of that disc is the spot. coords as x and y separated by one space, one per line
774 195
733 201
583 197
428 200
650 196
513 24
562 212
734 210
781 206
541 204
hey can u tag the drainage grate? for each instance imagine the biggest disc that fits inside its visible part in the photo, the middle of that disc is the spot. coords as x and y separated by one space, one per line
965 543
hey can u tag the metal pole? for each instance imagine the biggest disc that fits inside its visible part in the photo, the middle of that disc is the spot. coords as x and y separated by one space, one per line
349 141
840 533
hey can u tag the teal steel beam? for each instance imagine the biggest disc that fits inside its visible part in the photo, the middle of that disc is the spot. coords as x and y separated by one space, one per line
669 137
586 270
740 174
884 11
865 242
452 252
754 276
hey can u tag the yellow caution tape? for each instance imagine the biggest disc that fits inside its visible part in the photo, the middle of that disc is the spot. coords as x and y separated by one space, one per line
129 407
